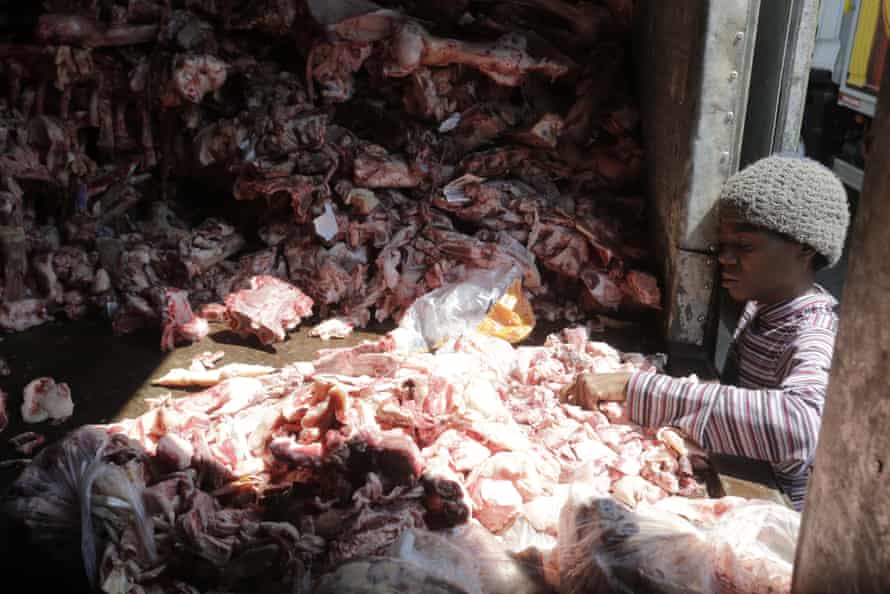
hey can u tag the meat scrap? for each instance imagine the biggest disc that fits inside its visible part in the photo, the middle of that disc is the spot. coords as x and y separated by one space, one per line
16 316
333 328
706 547
180 378
506 61
268 309
27 443
362 445
207 360
360 207
179 323
45 399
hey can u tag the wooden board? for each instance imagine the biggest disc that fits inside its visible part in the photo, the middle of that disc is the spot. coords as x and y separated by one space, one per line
845 536
741 477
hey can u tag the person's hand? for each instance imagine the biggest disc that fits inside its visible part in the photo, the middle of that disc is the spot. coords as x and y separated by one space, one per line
589 389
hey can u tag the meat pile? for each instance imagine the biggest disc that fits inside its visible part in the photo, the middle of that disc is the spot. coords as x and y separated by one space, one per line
721 546
275 478
155 156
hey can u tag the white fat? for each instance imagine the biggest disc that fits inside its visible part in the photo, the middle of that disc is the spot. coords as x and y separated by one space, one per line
45 399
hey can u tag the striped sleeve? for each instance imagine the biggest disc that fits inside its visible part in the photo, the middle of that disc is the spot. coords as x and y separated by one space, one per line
779 425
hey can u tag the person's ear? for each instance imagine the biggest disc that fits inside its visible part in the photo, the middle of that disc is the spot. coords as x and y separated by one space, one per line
805 252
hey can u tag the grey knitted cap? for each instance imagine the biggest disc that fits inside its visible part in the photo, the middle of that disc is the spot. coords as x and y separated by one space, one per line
794 196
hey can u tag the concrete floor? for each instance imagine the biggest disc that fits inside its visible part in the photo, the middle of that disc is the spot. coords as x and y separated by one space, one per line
110 375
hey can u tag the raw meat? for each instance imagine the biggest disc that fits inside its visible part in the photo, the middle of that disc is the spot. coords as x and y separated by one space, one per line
45 399
179 323
451 150
68 482
376 155
16 316
180 378
268 309
734 545
207 360
367 444
27 443
506 61
175 452
333 328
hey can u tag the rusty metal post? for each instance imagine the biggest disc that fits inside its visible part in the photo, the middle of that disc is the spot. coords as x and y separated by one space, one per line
845 537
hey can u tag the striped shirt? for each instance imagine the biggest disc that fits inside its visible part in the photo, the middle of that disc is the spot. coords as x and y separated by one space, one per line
781 356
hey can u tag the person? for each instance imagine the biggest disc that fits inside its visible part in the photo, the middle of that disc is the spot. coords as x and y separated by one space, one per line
781 219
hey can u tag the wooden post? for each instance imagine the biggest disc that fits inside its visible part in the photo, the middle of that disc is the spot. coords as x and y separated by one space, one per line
845 537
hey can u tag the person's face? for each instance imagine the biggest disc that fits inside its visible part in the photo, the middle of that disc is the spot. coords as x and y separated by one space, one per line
759 265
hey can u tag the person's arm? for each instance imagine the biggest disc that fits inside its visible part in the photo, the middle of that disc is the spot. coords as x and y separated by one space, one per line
772 425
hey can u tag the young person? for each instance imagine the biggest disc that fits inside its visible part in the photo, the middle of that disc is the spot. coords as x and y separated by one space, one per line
781 219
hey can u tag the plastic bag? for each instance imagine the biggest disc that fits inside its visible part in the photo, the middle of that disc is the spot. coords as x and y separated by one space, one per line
606 548
450 311
439 557
383 575
502 570
511 318
754 548
75 479
474 559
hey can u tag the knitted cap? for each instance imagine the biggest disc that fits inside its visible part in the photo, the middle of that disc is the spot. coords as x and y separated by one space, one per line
794 196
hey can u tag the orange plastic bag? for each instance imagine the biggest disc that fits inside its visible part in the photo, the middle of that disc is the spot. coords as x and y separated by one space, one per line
511 318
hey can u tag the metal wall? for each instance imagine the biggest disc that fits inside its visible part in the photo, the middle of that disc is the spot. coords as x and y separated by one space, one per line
780 72
693 61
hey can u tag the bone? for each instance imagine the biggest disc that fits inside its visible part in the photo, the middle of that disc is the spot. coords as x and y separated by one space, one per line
63 29
506 61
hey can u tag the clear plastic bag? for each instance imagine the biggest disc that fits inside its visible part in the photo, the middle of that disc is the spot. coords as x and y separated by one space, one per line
474 559
435 554
383 575
604 548
505 569
450 311
87 480
754 547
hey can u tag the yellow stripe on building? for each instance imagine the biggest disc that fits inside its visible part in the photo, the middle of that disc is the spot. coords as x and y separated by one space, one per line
869 13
